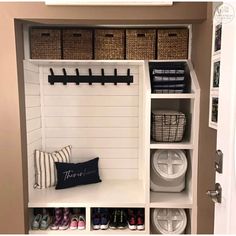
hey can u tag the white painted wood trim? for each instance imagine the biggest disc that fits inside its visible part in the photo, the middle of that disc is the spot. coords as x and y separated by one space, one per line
26 41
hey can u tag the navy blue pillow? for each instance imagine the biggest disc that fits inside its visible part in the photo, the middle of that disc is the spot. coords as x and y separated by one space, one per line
71 174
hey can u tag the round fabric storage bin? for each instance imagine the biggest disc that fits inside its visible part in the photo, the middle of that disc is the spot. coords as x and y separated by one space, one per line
169 221
168 170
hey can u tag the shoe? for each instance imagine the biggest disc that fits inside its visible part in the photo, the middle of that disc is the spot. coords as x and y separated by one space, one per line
74 222
140 219
104 220
65 223
132 220
81 222
122 222
96 220
36 222
114 219
57 219
46 221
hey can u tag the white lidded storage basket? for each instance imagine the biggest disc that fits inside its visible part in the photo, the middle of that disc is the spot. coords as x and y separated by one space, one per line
168 170
169 221
168 126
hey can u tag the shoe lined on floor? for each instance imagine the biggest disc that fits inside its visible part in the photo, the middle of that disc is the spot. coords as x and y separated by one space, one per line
46 221
132 220
81 222
96 221
114 219
104 220
65 223
57 219
74 222
36 222
140 219
122 220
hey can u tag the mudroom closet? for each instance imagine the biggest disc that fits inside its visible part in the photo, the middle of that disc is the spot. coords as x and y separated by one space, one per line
120 104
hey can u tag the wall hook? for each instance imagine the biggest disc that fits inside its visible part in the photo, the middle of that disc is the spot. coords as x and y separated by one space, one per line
90 78
90 74
128 74
77 74
115 74
103 74
65 76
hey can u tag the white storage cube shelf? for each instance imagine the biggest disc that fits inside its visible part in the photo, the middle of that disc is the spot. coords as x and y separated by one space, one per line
111 122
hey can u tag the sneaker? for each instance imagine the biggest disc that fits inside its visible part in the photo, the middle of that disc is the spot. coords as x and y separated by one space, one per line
74 222
104 220
46 221
57 219
114 219
131 220
122 222
65 223
36 222
81 222
96 221
140 220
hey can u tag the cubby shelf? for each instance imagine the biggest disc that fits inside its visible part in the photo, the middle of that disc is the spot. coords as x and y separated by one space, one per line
108 193
173 96
170 200
182 145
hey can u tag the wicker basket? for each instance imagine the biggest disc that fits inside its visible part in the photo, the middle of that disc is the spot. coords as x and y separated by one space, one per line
168 126
45 43
172 44
140 44
77 44
109 44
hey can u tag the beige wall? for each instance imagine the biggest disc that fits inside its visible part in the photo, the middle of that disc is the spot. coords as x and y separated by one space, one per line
201 58
13 167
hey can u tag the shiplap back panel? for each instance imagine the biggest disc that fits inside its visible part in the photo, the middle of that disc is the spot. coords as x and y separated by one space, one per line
33 116
96 120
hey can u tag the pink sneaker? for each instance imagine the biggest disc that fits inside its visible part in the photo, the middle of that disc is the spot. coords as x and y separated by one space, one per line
74 222
81 222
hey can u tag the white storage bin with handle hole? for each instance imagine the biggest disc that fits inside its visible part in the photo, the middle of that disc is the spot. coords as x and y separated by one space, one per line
169 221
168 170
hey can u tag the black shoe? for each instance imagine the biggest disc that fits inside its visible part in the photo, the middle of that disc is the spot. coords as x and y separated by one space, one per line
122 222
114 219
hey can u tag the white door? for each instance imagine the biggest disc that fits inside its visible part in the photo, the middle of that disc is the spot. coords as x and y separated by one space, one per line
225 213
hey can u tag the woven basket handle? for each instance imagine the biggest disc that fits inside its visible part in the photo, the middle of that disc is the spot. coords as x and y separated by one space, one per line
168 120
109 35
172 34
45 34
77 35
139 35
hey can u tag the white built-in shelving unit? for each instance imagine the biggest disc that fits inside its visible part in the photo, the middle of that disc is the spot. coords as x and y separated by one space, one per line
187 103
113 123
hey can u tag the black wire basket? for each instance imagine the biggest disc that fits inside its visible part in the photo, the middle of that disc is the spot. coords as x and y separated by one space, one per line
168 126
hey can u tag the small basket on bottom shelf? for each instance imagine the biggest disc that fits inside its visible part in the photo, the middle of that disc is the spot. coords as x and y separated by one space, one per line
168 126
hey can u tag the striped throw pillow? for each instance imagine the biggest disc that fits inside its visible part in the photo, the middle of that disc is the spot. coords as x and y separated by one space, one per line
45 169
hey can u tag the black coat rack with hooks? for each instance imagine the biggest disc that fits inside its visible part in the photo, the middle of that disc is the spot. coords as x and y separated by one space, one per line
90 78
